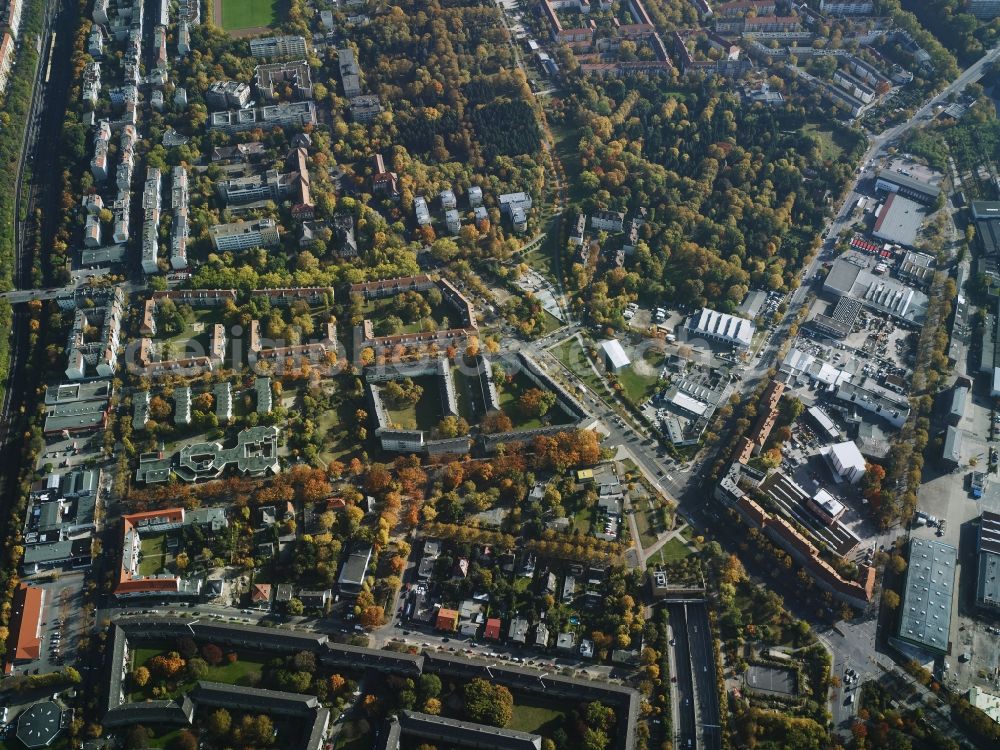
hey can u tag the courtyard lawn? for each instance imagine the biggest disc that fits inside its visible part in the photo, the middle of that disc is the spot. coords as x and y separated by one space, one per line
355 735
193 340
423 415
509 395
463 390
154 554
536 717
235 673
444 315
248 14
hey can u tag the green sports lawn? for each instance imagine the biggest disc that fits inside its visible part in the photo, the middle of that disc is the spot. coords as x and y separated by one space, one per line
248 14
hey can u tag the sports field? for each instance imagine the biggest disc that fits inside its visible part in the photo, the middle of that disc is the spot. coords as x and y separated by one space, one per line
247 14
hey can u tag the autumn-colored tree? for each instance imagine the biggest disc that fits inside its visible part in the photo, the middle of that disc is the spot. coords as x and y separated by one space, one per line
212 654
535 402
452 474
140 677
891 598
186 740
168 665
378 479
337 683
371 617
432 706
495 422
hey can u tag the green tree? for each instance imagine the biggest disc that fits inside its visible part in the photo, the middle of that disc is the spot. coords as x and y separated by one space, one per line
219 723
197 669
486 703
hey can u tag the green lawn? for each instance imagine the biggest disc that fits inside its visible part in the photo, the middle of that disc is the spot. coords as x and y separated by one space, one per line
571 354
248 14
164 739
672 551
509 395
650 520
463 390
550 323
194 339
355 735
567 142
638 387
537 717
829 149
424 414
247 664
582 520
154 554
442 315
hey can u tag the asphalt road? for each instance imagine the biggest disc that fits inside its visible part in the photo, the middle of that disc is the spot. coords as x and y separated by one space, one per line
703 666
685 724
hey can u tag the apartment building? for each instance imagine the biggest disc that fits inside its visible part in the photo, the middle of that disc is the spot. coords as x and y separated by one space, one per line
243 235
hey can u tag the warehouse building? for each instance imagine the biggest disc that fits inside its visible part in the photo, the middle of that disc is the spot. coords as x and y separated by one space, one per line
930 584
988 584
900 220
720 327
901 184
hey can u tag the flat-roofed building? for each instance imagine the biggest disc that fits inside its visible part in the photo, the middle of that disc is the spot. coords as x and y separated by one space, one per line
355 569
869 397
244 235
286 45
828 428
925 620
900 221
889 181
883 295
828 508
988 581
986 215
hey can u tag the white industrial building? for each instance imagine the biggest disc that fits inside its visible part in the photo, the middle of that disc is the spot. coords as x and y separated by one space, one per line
721 327
614 355
846 461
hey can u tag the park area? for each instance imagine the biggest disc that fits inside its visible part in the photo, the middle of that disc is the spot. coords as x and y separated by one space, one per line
240 15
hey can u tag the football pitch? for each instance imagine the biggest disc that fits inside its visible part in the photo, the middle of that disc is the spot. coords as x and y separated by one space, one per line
248 14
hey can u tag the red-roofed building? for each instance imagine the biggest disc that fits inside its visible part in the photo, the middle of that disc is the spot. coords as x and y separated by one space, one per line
25 642
492 632
447 619
131 584
260 595
147 587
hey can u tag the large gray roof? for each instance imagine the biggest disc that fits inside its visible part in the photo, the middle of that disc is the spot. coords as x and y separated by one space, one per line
988 582
453 731
930 584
